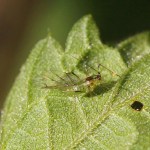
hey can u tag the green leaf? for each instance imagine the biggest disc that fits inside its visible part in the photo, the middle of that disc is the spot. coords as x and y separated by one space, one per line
102 118
135 47
26 113
81 39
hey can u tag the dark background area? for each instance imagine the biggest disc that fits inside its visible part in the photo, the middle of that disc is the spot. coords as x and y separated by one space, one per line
24 22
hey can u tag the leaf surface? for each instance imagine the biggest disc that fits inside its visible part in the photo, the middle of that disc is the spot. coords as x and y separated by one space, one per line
102 118
135 47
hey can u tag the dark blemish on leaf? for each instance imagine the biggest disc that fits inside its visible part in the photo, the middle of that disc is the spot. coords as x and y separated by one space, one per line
136 105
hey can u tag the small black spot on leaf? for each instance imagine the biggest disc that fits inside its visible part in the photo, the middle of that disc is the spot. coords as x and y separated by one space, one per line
136 105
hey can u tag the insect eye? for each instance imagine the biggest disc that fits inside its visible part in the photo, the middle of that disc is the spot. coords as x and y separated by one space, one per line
99 77
136 105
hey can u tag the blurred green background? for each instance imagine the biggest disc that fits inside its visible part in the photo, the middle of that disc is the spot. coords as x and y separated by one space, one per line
24 22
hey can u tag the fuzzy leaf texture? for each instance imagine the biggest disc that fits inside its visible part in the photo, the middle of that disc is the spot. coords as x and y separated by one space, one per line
101 118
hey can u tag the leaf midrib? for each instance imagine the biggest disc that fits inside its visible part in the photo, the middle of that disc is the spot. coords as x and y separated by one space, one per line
100 119
87 132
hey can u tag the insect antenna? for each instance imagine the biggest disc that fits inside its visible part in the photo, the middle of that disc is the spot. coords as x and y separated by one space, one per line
89 66
93 68
113 73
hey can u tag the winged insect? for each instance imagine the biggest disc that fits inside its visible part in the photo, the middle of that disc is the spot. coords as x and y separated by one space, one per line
72 82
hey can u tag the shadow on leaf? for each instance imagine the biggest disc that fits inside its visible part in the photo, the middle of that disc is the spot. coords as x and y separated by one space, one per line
101 89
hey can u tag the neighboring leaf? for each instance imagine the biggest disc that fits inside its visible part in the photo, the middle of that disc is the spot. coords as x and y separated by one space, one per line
37 118
135 47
